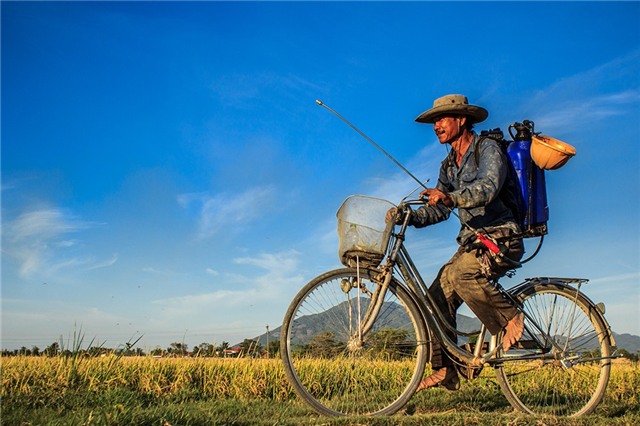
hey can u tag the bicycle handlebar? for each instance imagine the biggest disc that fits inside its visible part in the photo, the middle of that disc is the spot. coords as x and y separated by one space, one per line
482 236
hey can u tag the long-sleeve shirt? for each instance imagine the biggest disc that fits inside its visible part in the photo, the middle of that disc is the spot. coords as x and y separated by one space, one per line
475 187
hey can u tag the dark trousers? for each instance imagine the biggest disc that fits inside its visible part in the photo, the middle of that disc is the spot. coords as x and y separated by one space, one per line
467 277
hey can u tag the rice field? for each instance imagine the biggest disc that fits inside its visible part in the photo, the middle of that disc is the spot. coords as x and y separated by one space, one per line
207 391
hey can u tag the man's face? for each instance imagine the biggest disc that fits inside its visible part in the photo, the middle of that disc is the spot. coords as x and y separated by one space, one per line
448 128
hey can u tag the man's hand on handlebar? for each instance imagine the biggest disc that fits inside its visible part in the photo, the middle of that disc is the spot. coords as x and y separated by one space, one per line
435 196
431 197
394 215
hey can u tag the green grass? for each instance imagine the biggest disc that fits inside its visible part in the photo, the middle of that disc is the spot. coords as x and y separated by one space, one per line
163 392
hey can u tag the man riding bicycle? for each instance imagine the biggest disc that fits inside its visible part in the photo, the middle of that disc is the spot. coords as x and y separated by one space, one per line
472 179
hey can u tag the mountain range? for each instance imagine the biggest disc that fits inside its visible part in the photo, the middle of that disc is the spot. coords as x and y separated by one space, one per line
629 342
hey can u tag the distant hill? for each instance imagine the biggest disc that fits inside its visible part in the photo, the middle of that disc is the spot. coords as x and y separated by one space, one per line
629 342
465 324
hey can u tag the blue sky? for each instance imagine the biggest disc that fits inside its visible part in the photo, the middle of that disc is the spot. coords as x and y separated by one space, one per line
167 174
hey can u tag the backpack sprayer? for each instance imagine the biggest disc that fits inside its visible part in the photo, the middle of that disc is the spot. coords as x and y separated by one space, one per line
530 154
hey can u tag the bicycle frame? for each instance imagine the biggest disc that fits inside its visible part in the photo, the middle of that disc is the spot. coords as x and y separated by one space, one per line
398 257
373 316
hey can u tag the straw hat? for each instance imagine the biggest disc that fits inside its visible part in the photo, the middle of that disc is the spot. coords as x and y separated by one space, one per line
453 104
550 153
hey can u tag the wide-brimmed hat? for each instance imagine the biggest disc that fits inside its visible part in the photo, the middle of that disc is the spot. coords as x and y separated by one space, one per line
453 104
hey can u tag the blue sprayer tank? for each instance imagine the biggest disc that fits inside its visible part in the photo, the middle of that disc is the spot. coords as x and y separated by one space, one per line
533 207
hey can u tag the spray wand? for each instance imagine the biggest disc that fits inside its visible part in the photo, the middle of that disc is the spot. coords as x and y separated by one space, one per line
487 241
319 102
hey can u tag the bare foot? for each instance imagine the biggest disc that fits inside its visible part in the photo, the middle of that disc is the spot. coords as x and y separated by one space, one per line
513 331
446 377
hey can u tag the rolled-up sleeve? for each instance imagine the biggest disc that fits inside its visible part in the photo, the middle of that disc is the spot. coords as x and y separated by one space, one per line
428 215
481 186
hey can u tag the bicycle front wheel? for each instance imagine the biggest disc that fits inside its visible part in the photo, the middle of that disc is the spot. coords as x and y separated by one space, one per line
569 376
337 370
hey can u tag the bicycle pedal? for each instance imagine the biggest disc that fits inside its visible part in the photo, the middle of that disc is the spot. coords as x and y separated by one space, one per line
467 372
470 348
526 344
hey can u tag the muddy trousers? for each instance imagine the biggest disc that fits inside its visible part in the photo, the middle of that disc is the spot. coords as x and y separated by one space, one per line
464 279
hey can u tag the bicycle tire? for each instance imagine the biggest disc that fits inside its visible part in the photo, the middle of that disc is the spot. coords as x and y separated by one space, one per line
377 378
569 385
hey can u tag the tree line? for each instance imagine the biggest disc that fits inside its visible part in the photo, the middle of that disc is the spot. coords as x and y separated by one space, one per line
247 348
385 341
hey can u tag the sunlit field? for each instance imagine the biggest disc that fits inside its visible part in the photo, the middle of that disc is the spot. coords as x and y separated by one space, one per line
204 391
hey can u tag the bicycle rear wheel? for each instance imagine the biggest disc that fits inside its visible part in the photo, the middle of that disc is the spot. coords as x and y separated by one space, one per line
335 371
566 380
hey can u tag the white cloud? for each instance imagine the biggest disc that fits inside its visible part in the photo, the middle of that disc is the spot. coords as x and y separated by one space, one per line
277 273
212 272
38 241
43 225
425 166
152 270
579 100
240 90
216 212
588 109
275 264
105 263
624 286
27 322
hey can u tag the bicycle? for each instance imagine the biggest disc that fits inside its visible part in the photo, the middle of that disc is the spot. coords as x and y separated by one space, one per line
356 340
